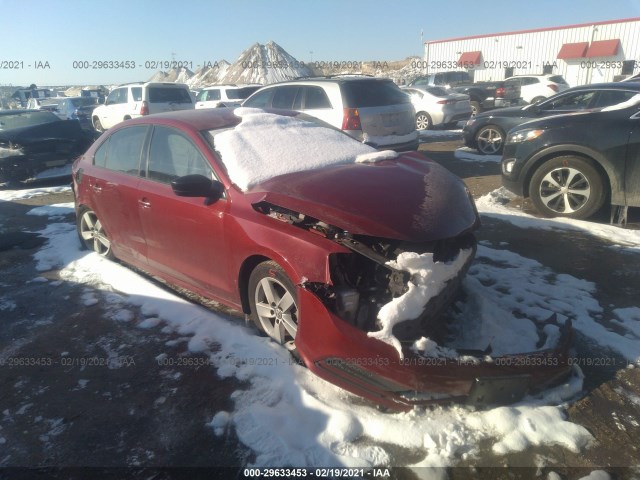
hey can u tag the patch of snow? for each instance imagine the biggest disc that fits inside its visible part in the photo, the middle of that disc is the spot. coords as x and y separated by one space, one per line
149 322
597 475
265 145
428 279
39 280
89 299
54 210
374 157
492 205
7 304
429 348
453 134
629 319
471 155
121 315
10 195
219 422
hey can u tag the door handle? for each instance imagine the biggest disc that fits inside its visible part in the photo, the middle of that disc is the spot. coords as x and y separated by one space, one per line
144 203
96 188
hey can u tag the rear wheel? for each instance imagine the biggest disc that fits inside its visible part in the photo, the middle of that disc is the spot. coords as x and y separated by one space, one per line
538 99
490 140
92 234
272 297
423 121
567 186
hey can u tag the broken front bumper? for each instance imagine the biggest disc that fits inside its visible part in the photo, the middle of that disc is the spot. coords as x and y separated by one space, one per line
347 357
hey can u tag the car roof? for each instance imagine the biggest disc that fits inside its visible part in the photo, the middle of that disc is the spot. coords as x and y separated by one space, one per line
608 85
330 79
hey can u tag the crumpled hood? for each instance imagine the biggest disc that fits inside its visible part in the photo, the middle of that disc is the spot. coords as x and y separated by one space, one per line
407 198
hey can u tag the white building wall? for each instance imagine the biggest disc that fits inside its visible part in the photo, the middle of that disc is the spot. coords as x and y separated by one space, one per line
528 52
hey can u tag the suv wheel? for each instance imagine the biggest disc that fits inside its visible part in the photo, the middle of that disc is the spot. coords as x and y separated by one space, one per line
567 186
490 140
537 99
423 121
475 108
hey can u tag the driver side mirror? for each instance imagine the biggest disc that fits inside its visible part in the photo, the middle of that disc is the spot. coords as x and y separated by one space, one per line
198 186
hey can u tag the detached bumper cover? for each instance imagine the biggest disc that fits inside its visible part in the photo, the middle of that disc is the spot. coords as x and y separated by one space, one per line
347 357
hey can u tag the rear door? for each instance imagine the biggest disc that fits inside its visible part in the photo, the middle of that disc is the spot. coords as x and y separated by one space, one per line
185 237
316 103
112 182
115 107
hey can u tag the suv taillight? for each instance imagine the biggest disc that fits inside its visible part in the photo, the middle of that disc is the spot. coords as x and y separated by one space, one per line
500 92
553 87
144 109
351 119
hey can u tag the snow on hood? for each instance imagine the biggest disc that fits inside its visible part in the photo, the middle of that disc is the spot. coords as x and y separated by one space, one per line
428 279
265 145
374 157
633 101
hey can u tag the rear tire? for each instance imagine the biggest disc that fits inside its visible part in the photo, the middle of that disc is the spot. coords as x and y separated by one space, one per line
273 303
567 186
92 234
537 99
423 121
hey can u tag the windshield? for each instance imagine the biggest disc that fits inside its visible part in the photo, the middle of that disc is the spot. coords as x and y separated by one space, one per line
25 119
265 145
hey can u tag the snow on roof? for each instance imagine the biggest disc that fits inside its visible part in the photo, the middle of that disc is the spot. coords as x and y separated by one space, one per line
265 145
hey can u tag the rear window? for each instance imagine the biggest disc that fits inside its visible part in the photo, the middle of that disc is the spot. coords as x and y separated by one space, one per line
169 95
558 79
372 93
240 93
84 101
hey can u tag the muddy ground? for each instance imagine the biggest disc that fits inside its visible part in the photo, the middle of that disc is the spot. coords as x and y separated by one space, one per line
132 411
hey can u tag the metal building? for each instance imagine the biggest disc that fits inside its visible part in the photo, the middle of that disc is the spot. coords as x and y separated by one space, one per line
585 53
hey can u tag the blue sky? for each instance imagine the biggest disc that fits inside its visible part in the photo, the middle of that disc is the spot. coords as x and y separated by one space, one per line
63 31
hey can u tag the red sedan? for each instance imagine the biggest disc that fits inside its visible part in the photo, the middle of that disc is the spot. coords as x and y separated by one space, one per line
303 229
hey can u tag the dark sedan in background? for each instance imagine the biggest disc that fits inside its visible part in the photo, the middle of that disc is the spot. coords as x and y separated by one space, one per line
78 108
32 141
487 131
570 165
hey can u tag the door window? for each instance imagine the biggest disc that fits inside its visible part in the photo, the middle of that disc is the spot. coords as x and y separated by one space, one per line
316 98
573 101
124 150
172 155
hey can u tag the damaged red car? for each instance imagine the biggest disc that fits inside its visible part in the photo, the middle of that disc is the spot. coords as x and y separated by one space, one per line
343 254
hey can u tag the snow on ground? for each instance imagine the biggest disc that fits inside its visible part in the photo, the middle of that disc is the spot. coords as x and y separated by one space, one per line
428 134
10 195
288 416
53 210
472 155
493 204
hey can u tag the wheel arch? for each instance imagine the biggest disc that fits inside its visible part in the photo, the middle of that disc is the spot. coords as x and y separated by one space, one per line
244 273
596 159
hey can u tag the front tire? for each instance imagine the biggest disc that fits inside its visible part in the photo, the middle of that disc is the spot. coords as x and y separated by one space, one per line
475 108
567 186
273 302
537 100
92 234
423 121
490 140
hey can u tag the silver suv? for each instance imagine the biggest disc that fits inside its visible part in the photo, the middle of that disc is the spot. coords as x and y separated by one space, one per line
372 110
137 99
